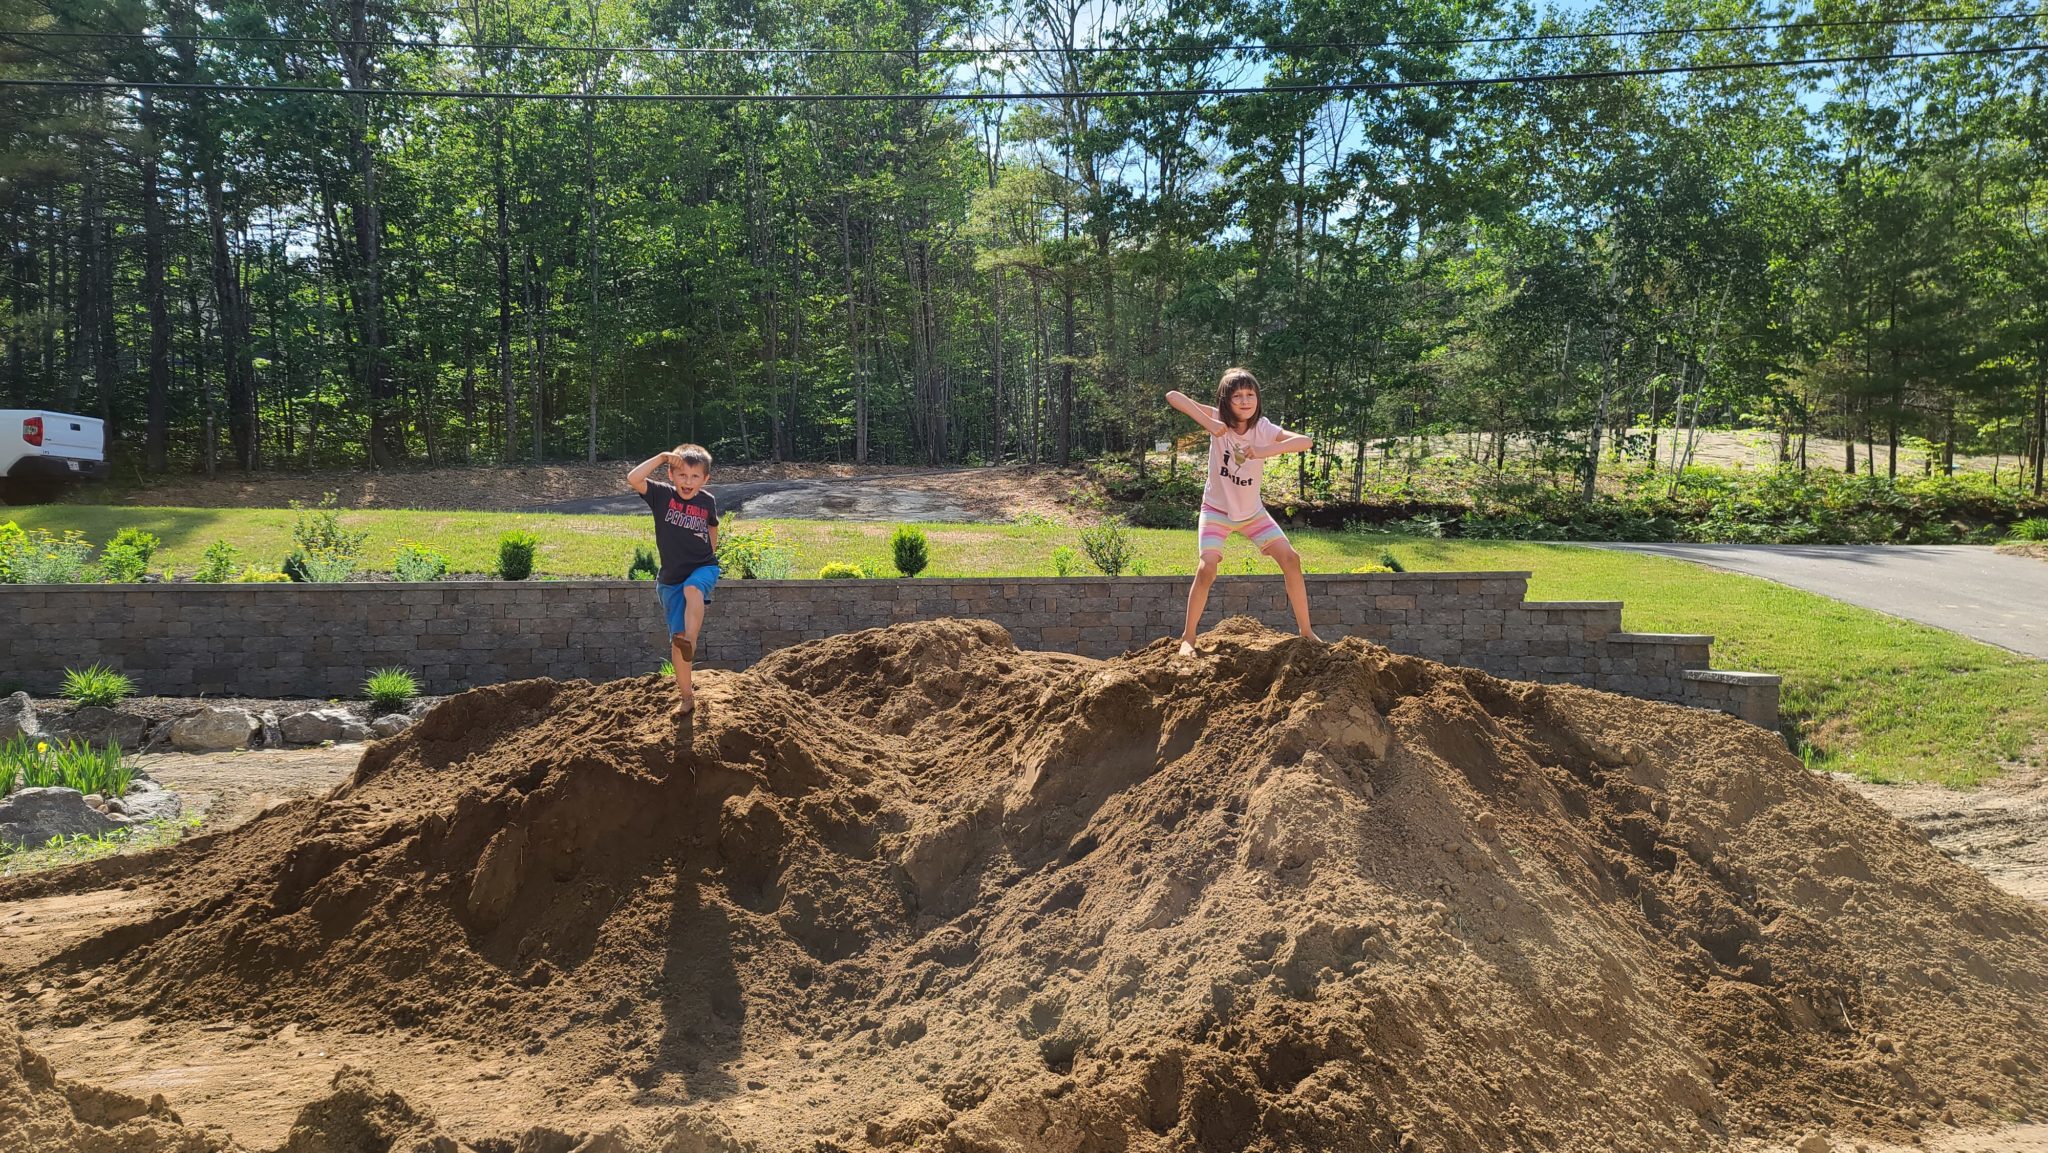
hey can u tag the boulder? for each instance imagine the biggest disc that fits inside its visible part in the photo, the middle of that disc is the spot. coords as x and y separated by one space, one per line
32 816
391 724
18 718
316 725
99 726
147 801
213 728
421 706
273 735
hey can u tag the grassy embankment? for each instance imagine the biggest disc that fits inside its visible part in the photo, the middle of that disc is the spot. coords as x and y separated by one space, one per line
1863 692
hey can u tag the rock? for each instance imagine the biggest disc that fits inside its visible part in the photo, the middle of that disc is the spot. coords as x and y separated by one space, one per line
100 726
1814 1143
154 803
420 707
32 816
95 800
316 725
212 729
391 724
18 718
273 736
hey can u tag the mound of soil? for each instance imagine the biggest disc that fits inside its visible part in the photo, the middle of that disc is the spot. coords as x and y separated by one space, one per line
915 888
38 1111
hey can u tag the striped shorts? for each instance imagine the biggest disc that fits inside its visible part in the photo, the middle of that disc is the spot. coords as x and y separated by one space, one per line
1215 528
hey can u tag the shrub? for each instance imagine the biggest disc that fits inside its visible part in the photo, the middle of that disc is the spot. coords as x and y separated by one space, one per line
39 764
1390 562
643 566
323 551
390 688
908 547
97 685
256 576
841 570
126 558
48 559
416 564
1109 547
326 568
2032 528
515 555
754 554
1372 568
13 542
219 565
1065 560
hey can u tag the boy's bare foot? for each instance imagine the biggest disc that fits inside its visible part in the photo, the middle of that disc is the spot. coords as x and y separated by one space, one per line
1187 649
688 706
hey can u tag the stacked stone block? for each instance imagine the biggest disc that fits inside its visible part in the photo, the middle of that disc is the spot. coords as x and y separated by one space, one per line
321 640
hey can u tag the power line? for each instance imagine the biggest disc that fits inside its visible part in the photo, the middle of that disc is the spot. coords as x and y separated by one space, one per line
1335 88
973 51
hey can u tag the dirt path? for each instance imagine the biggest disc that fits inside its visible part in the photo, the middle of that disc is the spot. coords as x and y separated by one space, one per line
227 789
1999 829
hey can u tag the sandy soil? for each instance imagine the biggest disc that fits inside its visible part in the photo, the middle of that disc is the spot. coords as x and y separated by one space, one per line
850 1013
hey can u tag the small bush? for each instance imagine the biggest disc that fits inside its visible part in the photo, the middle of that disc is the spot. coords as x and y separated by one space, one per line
515 555
1390 562
48 559
643 566
390 688
97 685
841 570
1065 560
39 764
1372 568
13 542
1108 547
909 549
219 566
326 568
2034 528
294 567
318 529
256 576
126 558
418 565
754 554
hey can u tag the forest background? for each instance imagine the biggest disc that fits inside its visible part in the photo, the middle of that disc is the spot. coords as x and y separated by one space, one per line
235 277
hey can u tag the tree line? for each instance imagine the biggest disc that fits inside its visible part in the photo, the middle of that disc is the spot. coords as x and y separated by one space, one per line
239 278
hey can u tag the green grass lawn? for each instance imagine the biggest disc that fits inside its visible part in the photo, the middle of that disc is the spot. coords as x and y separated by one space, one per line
1883 698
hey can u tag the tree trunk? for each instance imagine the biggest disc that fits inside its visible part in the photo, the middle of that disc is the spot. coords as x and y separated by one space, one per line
158 434
387 423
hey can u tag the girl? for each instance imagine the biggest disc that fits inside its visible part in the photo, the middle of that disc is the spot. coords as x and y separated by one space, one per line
1240 440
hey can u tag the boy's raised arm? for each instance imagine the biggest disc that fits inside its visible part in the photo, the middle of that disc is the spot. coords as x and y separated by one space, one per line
1200 413
638 477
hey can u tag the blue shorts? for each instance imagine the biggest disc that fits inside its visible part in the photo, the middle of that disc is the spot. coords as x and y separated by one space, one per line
704 578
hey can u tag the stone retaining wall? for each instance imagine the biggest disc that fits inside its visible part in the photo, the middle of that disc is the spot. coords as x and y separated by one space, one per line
319 640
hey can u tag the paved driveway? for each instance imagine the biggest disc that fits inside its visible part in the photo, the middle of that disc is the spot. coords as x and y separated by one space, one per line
1970 589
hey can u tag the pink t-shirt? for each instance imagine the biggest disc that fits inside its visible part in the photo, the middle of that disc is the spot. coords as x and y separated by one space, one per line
1233 485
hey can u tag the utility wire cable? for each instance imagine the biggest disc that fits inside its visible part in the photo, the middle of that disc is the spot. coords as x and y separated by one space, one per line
974 51
1334 88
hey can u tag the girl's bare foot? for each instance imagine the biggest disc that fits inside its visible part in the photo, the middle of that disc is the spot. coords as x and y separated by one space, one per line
1311 635
688 706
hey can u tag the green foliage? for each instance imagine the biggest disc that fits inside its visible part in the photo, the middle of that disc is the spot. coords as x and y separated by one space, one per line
97 685
417 563
126 558
39 763
909 549
1390 562
1065 560
390 688
841 570
754 553
1108 546
47 558
13 541
257 576
643 566
1372 568
219 565
515 555
2033 528
667 669
323 552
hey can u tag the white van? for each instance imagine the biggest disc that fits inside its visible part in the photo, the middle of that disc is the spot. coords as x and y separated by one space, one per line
40 451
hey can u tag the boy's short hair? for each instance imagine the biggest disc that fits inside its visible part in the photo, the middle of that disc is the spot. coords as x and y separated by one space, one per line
695 454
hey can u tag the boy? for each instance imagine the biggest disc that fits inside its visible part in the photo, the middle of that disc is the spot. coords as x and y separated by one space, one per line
686 533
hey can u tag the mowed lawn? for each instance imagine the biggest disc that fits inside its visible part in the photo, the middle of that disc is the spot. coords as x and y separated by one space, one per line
1883 698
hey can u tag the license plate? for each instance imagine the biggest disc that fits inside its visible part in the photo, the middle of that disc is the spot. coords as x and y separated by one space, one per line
73 464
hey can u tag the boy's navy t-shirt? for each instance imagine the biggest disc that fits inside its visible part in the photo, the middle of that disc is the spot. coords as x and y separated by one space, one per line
682 530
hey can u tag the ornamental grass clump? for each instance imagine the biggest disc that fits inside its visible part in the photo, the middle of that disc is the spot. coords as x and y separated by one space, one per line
391 688
39 764
96 686
2034 528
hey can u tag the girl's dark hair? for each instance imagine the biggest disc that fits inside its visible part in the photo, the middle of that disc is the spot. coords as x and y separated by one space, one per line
1233 380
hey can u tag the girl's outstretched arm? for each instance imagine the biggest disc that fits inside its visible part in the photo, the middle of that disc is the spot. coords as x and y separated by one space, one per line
1200 413
1288 442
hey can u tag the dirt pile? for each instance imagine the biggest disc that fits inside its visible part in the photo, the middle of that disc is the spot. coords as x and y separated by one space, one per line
41 1112
916 888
